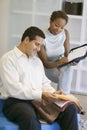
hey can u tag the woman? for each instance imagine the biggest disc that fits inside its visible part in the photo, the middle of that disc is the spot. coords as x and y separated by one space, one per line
55 50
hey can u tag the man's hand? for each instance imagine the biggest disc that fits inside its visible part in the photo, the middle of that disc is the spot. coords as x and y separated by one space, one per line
59 92
52 96
48 95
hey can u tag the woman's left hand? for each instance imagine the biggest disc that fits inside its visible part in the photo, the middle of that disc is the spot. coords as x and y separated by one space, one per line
74 63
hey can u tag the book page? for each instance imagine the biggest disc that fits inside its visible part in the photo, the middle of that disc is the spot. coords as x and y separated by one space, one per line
77 53
61 103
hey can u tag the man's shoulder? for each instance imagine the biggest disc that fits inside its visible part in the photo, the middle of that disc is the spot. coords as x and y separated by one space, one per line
39 60
7 54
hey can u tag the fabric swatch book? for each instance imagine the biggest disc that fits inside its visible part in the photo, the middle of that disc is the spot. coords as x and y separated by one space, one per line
76 54
49 109
62 103
64 99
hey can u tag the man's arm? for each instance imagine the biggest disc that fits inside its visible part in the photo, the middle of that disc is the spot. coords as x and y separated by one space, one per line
14 83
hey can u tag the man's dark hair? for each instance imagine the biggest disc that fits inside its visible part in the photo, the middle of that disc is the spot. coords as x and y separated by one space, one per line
32 32
59 14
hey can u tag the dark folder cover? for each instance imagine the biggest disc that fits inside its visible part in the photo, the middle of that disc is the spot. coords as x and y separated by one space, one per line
76 54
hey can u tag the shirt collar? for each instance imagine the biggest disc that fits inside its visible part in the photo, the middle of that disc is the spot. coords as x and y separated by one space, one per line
18 52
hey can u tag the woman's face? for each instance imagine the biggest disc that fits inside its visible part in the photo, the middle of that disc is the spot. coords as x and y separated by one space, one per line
57 26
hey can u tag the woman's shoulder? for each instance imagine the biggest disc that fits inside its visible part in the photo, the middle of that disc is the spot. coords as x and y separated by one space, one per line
66 31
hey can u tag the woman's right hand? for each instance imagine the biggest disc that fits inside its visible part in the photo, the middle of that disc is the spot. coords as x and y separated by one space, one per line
63 60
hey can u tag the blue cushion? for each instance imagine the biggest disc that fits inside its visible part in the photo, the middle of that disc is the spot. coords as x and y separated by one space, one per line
53 126
5 124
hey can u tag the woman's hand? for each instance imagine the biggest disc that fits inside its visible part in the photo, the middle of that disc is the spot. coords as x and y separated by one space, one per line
63 60
74 63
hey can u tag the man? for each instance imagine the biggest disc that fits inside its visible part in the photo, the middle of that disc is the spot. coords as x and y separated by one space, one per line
23 78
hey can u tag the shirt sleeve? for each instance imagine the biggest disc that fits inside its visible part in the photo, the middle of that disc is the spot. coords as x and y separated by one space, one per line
13 86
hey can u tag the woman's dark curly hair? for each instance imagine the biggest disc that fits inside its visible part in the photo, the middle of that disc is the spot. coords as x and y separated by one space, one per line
59 14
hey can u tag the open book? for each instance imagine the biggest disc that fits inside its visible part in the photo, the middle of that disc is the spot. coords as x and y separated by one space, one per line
64 99
76 54
49 109
62 103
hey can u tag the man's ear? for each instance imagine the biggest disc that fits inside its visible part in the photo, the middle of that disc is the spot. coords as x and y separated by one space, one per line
26 40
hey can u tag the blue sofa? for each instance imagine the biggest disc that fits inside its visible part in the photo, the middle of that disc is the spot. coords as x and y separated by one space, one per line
5 124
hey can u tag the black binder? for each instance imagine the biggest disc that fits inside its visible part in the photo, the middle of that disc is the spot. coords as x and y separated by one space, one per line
76 54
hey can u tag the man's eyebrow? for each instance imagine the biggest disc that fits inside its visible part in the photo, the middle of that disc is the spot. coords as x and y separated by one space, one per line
37 43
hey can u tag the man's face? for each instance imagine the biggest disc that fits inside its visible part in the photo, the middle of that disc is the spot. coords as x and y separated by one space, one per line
34 46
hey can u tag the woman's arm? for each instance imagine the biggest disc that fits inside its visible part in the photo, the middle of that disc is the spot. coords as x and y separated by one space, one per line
50 64
67 43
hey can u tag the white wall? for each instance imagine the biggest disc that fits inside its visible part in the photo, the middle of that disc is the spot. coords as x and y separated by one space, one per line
4 6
